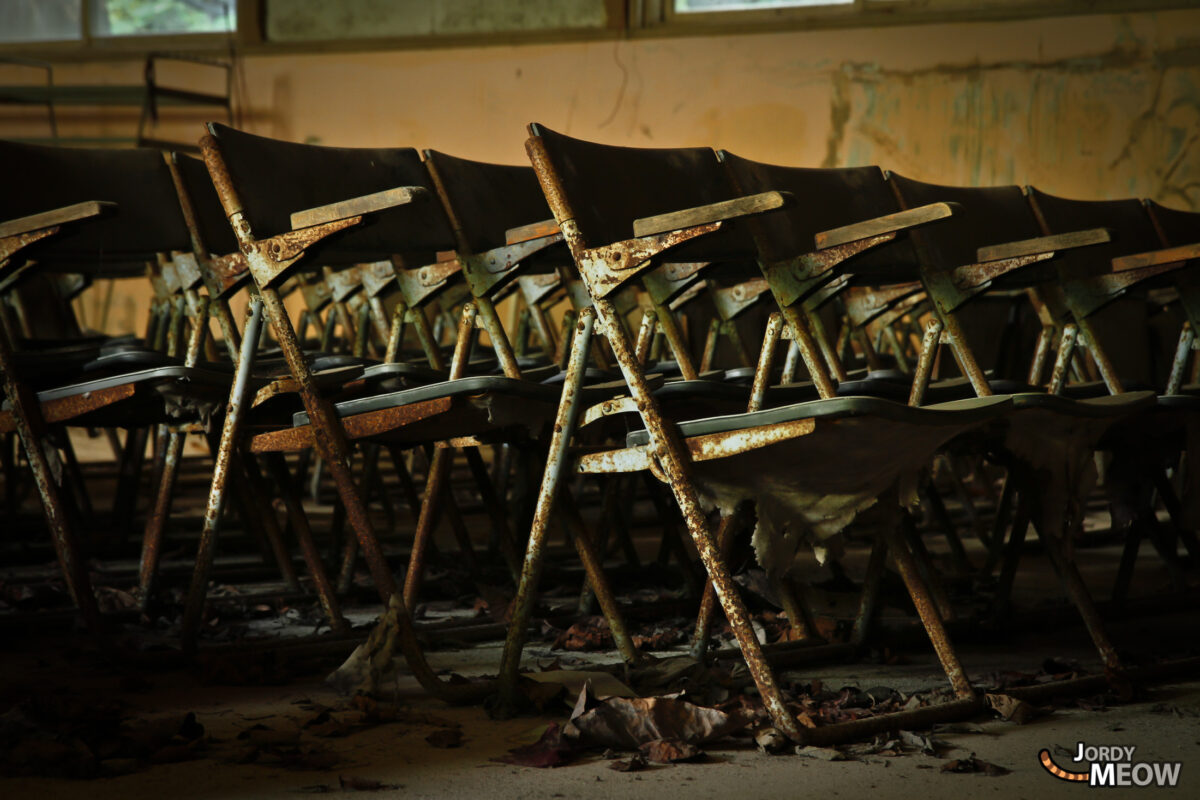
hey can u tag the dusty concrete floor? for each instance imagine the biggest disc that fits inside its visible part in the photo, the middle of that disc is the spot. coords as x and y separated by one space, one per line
1164 724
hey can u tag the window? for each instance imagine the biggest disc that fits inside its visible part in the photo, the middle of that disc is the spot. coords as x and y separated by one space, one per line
160 17
41 20
80 20
686 6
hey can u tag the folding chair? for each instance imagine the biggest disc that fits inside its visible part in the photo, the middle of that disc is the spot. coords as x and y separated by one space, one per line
98 212
599 196
994 242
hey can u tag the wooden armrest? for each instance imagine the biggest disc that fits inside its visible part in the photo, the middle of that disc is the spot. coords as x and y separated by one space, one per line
48 219
1042 244
888 223
357 206
1156 257
714 212
534 230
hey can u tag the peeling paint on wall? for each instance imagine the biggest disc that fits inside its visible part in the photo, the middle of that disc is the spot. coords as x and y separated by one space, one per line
1100 106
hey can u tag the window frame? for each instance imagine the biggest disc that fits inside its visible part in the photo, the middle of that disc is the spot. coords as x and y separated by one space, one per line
88 45
632 19
661 17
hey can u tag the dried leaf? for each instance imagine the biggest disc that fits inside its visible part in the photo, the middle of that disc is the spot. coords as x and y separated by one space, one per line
663 751
1011 709
628 723
635 764
770 741
589 634
552 750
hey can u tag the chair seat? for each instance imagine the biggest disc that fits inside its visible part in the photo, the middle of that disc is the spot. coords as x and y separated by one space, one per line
969 412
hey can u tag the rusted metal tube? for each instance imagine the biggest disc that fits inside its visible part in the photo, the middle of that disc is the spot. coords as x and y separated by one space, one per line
868 601
1082 598
362 335
859 334
428 341
897 347
670 328
277 469
556 464
230 429
32 433
495 332
329 440
645 336
708 601
156 523
1062 362
674 464
766 360
379 319
710 343
809 351
152 534
593 567
436 488
929 348
832 362
965 357
790 363
926 609
1040 353
917 719
395 339
1183 350
564 339
1108 372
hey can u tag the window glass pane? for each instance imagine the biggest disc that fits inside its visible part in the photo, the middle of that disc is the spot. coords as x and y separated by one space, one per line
40 20
685 6
158 17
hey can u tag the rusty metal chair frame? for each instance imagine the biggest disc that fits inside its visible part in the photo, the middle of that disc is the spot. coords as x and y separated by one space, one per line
569 170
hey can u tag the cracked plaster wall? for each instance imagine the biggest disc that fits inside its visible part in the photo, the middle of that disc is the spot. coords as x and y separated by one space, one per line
1087 106
1094 106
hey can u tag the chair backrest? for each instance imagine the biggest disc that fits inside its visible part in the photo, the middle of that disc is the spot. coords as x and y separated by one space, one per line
1129 227
146 219
483 201
1177 227
984 216
215 232
824 199
606 188
275 179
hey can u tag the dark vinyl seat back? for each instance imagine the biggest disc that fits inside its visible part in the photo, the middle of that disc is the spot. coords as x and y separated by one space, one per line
146 220
1178 227
608 187
215 231
1127 221
824 199
486 200
275 179
1122 326
985 215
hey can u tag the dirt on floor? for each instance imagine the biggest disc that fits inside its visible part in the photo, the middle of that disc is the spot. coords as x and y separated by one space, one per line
187 733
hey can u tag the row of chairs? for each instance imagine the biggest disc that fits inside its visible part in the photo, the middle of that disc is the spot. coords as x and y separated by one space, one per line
392 245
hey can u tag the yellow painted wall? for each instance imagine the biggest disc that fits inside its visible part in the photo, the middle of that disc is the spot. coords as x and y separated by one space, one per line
1087 106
